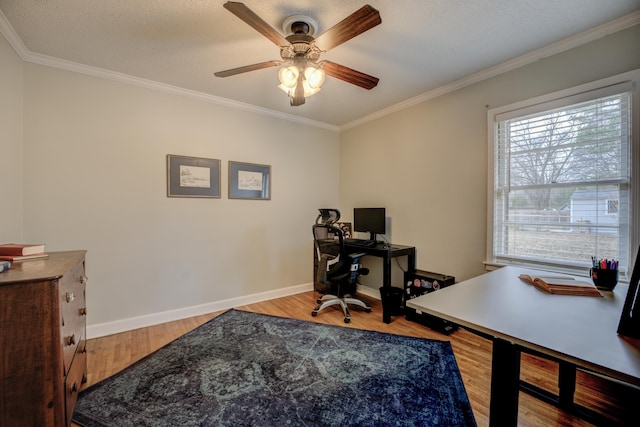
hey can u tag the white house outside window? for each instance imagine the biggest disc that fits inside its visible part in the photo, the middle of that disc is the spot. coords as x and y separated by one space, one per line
561 188
612 207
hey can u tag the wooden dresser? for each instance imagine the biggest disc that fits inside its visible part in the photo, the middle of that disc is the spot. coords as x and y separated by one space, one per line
42 339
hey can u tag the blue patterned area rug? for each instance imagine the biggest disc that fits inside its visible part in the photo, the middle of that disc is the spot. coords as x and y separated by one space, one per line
248 369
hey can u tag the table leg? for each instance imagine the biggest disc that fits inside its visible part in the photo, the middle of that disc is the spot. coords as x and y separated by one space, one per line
505 384
566 385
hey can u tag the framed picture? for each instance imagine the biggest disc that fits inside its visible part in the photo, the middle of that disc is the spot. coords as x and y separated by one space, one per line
249 181
346 229
193 177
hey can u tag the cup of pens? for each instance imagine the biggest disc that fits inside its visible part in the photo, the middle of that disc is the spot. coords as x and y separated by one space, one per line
604 273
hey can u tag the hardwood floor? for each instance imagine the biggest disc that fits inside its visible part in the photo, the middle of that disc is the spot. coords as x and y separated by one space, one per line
110 354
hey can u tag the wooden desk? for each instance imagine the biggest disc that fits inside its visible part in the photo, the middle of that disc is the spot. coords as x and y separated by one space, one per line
578 331
387 252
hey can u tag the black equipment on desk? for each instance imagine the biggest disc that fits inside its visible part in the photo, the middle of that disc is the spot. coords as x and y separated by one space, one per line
420 282
370 220
360 242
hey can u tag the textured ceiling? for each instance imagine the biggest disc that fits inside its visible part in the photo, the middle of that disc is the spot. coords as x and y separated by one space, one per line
421 45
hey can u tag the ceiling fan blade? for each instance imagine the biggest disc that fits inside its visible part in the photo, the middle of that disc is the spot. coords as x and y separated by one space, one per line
247 68
349 75
357 23
248 16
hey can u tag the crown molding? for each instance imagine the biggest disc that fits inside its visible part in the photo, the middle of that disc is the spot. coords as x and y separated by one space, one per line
12 37
174 90
590 35
26 55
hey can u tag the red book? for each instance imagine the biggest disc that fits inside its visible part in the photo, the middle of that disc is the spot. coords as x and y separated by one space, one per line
16 249
14 258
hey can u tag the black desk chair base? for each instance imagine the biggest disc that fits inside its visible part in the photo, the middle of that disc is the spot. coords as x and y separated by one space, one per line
331 300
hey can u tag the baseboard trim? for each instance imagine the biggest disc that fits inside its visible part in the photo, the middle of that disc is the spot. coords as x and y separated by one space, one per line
123 325
370 292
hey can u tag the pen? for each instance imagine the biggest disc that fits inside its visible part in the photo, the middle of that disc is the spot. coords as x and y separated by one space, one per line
604 263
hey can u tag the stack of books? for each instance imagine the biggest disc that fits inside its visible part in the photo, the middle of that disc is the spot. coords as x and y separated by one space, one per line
13 252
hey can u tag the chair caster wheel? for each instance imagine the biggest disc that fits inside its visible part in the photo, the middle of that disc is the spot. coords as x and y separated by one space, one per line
319 301
347 319
314 313
367 310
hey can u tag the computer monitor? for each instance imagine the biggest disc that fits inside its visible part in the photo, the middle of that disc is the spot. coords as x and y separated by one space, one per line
369 220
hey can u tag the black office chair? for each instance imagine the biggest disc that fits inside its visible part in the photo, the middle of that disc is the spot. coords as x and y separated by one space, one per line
336 268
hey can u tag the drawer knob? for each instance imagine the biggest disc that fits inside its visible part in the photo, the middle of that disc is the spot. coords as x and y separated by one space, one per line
83 311
83 279
71 340
69 296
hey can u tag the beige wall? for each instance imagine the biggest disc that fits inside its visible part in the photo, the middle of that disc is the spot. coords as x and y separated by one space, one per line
10 144
95 179
428 164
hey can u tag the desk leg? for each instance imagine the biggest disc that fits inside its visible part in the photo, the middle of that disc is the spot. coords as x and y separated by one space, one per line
386 271
411 261
505 384
566 385
386 282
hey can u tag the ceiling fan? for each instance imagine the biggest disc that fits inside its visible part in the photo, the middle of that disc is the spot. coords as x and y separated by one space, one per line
303 73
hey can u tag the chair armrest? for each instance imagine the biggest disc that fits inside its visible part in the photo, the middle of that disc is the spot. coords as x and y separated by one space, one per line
356 256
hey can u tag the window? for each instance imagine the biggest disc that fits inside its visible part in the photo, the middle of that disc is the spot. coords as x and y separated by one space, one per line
561 190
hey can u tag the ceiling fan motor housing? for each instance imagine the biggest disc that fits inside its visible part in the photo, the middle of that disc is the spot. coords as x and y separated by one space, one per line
299 24
300 44
300 27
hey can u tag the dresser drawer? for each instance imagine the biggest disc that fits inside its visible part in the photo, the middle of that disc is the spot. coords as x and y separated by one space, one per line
37 369
74 380
73 312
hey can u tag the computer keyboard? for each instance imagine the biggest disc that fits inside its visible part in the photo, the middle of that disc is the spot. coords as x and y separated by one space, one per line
360 242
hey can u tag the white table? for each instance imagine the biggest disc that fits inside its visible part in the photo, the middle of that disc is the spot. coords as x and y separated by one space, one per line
578 331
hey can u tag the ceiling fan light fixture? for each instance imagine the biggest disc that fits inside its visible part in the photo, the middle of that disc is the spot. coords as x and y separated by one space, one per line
308 91
311 81
314 77
288 76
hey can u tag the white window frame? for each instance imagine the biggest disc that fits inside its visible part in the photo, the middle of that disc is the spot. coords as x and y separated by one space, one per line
589 91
